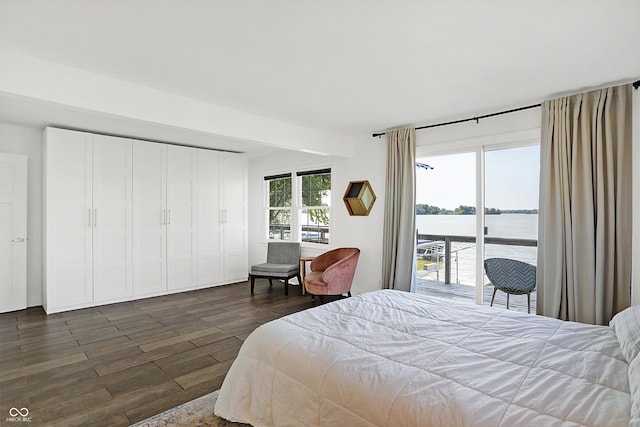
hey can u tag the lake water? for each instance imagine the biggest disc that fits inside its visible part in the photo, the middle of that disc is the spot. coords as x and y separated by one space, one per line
522 226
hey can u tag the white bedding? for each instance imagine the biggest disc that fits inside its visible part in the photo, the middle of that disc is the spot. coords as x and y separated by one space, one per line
390 358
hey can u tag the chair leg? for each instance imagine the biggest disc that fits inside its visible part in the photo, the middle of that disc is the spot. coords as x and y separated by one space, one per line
529 302
349 293
270 282
494 296
507 301
301 284
286 286
253 284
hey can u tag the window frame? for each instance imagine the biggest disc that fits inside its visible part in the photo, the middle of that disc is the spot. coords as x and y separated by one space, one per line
267 201
300 176
479 146
297 206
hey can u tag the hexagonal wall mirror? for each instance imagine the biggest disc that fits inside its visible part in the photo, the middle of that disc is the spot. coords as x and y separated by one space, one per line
359 198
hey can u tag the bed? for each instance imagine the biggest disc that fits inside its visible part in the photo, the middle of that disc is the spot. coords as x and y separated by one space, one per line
390 358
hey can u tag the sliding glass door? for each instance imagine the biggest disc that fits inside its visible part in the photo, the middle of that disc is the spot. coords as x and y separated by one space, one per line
452 240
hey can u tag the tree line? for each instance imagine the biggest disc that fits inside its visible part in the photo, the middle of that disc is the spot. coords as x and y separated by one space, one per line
424 209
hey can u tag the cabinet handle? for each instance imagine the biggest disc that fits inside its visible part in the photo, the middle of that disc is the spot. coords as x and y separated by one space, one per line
18 240
168 216
95 217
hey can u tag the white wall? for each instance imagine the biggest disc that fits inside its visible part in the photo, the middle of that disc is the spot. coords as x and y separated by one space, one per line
364 232
23 140
486 131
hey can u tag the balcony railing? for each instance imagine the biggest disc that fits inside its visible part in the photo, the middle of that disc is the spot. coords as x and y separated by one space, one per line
309 233
437 246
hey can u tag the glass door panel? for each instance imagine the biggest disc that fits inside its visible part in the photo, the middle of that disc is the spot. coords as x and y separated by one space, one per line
511 213
446 224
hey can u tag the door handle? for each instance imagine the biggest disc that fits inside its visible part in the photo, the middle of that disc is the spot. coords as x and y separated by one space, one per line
18 240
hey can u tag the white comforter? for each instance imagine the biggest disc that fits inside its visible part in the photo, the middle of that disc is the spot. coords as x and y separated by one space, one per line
389 358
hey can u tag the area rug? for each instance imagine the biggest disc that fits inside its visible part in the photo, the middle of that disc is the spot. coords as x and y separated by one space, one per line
196 413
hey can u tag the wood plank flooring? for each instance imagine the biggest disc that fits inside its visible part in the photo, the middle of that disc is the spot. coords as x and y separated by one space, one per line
117 364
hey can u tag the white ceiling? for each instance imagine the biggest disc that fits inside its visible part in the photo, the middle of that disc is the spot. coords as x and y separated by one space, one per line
349 67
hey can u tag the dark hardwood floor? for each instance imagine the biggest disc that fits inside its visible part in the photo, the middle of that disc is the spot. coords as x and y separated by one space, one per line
117 364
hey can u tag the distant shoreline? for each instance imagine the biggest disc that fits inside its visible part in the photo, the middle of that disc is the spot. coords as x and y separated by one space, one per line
425 209
510 211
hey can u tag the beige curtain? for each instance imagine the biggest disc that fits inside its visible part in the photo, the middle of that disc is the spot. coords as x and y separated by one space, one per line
398 252
584 244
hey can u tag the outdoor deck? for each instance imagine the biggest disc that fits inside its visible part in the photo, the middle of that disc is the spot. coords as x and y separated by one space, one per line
467 293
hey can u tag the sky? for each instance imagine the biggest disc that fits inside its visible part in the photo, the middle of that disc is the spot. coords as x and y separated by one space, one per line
511 179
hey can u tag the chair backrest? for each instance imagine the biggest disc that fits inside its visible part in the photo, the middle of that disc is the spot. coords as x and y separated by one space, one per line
339 275
505 273
283 253
323 261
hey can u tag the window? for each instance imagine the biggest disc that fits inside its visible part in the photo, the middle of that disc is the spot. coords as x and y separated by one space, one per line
314 207
308 198
279 206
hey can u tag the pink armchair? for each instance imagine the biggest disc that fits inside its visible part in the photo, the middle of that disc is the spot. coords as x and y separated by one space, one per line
332 272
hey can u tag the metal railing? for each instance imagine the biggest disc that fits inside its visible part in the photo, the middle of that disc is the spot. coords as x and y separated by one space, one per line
448 239
310 233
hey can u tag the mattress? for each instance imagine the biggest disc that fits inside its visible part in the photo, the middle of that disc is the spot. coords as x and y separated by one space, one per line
390 358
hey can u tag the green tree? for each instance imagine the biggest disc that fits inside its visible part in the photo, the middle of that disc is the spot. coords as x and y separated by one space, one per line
425 209
316 192
465 210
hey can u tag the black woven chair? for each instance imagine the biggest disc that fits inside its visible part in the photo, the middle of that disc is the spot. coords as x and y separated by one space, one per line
511 276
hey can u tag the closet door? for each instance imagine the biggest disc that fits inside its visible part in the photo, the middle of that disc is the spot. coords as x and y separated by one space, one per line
68 219
149 218
209 235
234 217
112 228
181 218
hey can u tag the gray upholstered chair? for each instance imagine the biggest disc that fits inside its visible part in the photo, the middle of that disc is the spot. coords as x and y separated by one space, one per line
511 276
283 263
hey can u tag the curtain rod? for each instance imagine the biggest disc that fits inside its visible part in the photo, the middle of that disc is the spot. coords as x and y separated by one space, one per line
476 119
636 85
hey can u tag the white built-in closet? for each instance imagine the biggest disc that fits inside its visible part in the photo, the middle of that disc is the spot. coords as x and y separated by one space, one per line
127 219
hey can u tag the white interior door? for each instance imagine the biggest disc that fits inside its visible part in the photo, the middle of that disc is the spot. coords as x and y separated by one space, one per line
68 219
181 218
233 217
112 230
149 218
13 232
208 218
